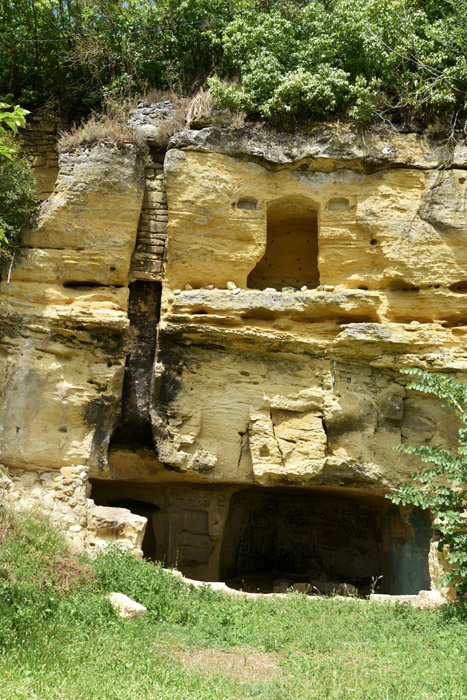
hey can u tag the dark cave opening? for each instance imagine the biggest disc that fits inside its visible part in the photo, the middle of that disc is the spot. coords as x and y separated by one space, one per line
274 534
251 537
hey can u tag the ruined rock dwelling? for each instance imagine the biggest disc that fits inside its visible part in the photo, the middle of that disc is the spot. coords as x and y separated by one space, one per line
200 350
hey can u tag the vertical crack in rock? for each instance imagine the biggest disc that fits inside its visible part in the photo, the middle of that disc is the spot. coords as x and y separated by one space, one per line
277 441
144 310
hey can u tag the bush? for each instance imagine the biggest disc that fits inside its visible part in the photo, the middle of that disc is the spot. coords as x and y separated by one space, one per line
16 198
304 93
16 181
399 60
442 487
356 58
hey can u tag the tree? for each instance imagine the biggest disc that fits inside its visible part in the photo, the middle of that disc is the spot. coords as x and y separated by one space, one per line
10 120
16 181
442 487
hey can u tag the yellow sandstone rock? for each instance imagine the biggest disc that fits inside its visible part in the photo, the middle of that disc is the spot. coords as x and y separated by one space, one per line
269 416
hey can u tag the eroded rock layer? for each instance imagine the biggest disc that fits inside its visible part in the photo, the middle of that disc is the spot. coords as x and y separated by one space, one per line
64 325
303 272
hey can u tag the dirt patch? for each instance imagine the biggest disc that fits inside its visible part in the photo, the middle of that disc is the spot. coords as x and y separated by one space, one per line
242 664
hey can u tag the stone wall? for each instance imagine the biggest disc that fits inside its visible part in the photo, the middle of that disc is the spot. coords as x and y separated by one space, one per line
39 144
63 496
148 256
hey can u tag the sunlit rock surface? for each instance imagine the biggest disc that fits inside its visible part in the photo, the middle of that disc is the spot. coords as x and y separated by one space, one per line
262 408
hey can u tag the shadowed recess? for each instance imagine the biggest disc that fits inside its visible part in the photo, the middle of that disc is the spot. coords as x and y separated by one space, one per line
291 257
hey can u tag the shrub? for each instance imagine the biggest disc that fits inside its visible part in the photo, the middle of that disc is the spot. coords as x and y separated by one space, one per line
302 92
16 181
404 60
16 198
442 487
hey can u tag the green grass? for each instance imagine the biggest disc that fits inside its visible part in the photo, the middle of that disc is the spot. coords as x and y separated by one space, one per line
60 640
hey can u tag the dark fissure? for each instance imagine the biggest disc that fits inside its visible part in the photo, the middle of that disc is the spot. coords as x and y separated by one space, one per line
134 427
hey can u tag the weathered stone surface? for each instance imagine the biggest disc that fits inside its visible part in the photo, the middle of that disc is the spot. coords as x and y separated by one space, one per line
62 494
151 118
325 147
39 145
259 390
126 607
107 525
326 362
379 241
64 321
424 599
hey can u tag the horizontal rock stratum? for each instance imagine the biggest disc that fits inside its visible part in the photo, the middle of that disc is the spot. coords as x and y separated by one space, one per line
251 424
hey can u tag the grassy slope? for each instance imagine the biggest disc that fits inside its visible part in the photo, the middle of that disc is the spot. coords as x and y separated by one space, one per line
59 639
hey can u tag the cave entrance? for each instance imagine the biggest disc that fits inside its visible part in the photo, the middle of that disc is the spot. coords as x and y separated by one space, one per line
119 495
276 535
291 257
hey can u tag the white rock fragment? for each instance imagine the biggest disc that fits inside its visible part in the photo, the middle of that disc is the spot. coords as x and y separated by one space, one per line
126 607
424 599
433 598
236 290
231 285
304 288
177 291
328 288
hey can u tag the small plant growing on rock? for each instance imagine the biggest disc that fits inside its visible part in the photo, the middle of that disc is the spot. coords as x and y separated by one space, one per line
442 486
99 129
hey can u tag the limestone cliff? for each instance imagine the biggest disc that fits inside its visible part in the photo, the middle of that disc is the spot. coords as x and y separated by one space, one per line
255 422
64 324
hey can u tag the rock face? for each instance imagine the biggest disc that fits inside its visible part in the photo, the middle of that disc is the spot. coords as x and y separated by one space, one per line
64 322
256 435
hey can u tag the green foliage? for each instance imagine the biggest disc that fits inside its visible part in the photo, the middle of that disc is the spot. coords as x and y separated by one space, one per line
10 120
36 570
399 60
359 58
442 487
16 193
16 180
60 638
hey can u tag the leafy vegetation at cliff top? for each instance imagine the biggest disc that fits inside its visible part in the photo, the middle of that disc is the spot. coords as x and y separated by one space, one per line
403 61
60 639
